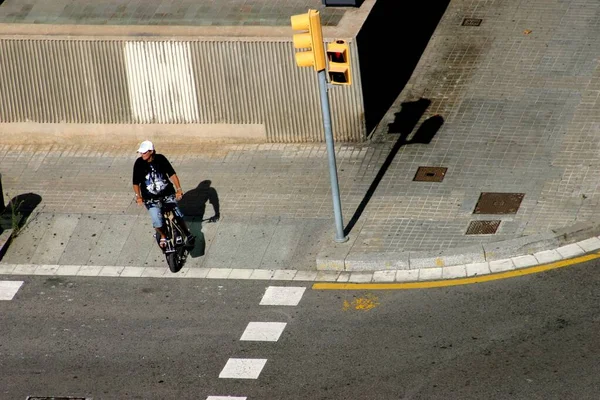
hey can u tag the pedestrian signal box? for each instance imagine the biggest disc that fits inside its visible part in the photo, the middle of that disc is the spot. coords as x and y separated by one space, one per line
338 60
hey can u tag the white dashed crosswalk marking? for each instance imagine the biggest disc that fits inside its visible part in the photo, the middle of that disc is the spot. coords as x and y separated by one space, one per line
250 368
263 331
225 398
8 289
282 296
243 368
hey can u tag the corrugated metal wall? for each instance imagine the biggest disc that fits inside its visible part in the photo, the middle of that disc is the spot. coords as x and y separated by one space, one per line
173 82
53 81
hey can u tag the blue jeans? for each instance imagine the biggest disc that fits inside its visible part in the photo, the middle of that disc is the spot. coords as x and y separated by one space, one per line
156 215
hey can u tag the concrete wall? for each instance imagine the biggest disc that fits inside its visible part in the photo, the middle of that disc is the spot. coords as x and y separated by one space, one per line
55 88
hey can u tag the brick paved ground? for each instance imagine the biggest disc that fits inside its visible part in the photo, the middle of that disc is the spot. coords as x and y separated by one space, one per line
519 97
163 12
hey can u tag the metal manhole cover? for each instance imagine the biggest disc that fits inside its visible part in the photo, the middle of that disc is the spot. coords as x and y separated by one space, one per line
482 227
57 398
430 174
472 21
498 203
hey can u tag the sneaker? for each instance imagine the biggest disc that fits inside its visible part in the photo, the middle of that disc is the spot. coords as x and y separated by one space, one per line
163 243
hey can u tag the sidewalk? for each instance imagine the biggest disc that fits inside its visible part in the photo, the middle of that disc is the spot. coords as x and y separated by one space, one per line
509 107
276 216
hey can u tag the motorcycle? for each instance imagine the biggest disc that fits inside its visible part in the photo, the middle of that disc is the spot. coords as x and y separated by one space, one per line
178 244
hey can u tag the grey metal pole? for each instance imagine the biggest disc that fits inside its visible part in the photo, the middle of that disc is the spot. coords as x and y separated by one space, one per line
335 190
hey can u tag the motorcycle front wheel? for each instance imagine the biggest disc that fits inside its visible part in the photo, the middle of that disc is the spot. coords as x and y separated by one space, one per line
174 261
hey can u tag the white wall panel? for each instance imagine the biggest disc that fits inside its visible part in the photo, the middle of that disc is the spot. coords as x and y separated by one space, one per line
160 82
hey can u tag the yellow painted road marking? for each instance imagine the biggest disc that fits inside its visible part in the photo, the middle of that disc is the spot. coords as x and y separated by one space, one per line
455 282
365 303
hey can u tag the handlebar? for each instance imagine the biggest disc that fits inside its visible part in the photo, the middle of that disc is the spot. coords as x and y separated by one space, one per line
161 200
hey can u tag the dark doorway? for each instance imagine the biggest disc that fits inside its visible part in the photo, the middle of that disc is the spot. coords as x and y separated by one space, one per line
390 45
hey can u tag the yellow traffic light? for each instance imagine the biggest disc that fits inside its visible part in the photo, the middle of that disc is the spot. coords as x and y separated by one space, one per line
338 57
312 40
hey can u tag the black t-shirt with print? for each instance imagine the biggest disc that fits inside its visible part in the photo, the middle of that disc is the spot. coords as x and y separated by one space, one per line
153 177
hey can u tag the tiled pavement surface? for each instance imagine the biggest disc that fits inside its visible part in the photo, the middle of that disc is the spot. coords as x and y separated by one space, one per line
163 12
519 97
275 205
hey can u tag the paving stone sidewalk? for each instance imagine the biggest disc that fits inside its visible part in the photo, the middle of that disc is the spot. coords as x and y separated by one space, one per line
510 106
275 204
162 12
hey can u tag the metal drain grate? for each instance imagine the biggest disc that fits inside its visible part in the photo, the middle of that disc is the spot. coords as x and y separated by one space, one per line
430 174
498 203
56 398
482 227
472 22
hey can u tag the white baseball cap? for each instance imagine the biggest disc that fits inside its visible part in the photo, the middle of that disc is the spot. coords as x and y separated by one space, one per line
145 146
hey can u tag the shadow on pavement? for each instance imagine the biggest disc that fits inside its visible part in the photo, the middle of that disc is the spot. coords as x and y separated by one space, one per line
193 207
427 130
15 214
406 120
404 123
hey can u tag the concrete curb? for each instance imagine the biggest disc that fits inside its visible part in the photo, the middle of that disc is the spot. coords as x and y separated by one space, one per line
339 257
476 269
336 262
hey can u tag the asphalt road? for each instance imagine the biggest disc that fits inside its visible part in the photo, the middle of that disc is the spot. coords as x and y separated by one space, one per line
532 337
